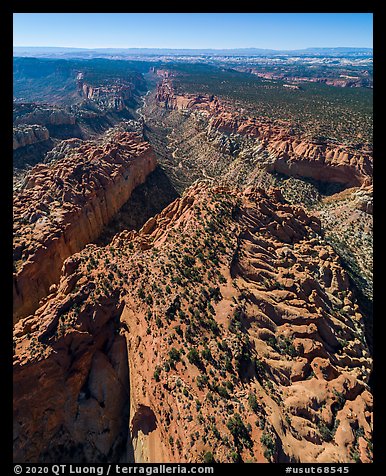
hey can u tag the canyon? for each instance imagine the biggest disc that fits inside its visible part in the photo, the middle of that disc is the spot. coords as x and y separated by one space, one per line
174 255
112 96
274 337
286 154
64 206
88 105
199 137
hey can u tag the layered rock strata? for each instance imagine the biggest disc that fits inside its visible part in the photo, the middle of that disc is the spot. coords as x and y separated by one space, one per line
65 205
226 324
348 224
287 154
113 97
28 135
114 94
45 115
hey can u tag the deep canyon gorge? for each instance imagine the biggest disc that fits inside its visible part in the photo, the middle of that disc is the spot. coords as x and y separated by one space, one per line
192 282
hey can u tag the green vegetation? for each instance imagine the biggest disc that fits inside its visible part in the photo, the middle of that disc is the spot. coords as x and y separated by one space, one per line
239 431
325 432
194 357
269 444
202 381
222 391
252 402
157 373
315 109
50 80
174 355
209 458
282 345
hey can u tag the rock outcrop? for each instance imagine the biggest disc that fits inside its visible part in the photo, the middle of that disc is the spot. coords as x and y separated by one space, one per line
321 162
348 226
113 94
45 115
226 324
287 154
27 135
65 205
113 97
89 416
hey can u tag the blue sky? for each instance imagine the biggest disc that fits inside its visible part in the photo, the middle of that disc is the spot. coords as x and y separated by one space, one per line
193 30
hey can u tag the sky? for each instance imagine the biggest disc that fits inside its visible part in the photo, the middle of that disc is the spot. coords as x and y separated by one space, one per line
282 31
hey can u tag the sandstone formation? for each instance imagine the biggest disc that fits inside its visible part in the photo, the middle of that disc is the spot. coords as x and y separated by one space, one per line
224 330
226 327
62 149
192 150
348 225
287 154
114 93
45 115
45 132
65 205
27 135
112 97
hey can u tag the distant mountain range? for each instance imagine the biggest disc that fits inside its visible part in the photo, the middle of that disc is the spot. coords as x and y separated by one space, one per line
55 52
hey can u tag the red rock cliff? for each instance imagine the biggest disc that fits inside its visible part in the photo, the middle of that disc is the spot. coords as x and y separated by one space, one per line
288 154
226 303
29 134
65 205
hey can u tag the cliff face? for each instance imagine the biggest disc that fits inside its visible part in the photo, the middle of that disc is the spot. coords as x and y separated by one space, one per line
45 116
27 135
65 205
321 162
288 154
112 94
348 226
170 100
226 325
92 103
113 97
83 381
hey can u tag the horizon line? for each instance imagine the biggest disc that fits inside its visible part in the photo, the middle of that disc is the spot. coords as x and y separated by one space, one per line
189 48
